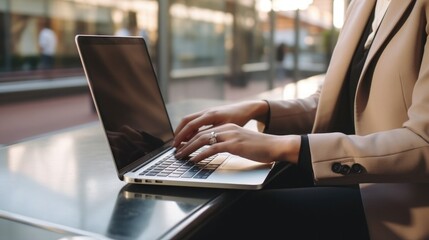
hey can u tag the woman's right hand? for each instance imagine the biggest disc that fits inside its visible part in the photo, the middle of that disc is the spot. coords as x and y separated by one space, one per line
237 113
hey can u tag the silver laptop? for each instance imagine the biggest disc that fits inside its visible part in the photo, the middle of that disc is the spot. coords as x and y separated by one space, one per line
130 106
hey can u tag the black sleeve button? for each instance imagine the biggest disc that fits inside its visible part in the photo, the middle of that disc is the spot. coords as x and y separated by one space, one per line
336 167
345 169
357 168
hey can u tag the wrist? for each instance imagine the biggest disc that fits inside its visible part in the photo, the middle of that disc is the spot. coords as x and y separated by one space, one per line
259 110
288 148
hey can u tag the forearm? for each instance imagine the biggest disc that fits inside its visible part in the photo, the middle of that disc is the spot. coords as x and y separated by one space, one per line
256 109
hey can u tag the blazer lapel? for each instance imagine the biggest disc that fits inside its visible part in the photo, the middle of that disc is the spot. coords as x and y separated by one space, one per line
340 62
394 13
391 19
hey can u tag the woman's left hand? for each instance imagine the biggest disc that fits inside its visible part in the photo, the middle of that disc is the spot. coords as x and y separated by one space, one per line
243 142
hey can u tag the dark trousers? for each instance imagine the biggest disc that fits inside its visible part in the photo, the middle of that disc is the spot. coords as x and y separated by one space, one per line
291 207
46 61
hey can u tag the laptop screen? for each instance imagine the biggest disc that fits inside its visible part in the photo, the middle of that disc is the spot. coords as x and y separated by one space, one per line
126 93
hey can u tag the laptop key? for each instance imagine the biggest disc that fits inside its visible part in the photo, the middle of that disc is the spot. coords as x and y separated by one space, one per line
188 174
219 159
175 174
203 174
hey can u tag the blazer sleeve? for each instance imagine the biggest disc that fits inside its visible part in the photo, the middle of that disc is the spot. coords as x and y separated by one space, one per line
294 116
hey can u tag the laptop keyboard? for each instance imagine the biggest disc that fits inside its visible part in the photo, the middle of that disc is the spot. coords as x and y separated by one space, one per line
183 168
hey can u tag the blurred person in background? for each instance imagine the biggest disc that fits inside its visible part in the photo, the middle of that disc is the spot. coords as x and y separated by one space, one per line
281 52
47 45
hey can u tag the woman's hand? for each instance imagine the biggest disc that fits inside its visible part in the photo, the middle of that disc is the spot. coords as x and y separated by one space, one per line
246 143
238 113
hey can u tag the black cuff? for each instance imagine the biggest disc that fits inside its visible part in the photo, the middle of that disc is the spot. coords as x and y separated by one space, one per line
304 160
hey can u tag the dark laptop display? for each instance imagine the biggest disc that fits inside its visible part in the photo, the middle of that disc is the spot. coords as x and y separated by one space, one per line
132 109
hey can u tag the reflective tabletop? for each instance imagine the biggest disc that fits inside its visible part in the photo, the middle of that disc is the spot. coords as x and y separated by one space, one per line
65 184
10 229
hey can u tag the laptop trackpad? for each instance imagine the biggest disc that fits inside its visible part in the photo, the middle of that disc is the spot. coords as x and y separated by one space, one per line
238 163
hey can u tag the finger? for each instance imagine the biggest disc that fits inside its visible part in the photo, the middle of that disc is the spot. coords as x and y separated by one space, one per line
185 130
185 121
180 146
199 140
210 151
208 138
192 145
191 128
180 143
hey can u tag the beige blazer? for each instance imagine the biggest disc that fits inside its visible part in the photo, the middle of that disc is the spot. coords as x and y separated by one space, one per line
391 119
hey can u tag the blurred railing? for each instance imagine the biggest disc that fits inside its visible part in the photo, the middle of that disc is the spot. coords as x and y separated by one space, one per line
40 74
24 85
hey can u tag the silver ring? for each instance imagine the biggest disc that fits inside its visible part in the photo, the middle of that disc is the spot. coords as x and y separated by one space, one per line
212 139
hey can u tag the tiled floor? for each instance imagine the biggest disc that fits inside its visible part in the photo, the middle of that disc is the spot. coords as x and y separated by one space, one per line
22 120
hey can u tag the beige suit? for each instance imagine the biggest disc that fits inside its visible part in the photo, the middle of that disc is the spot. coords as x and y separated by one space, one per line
391 119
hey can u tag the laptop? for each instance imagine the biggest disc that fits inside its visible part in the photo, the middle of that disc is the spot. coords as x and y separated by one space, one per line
131 109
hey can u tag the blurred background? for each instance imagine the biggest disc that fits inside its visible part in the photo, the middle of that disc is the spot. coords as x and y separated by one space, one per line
224 50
